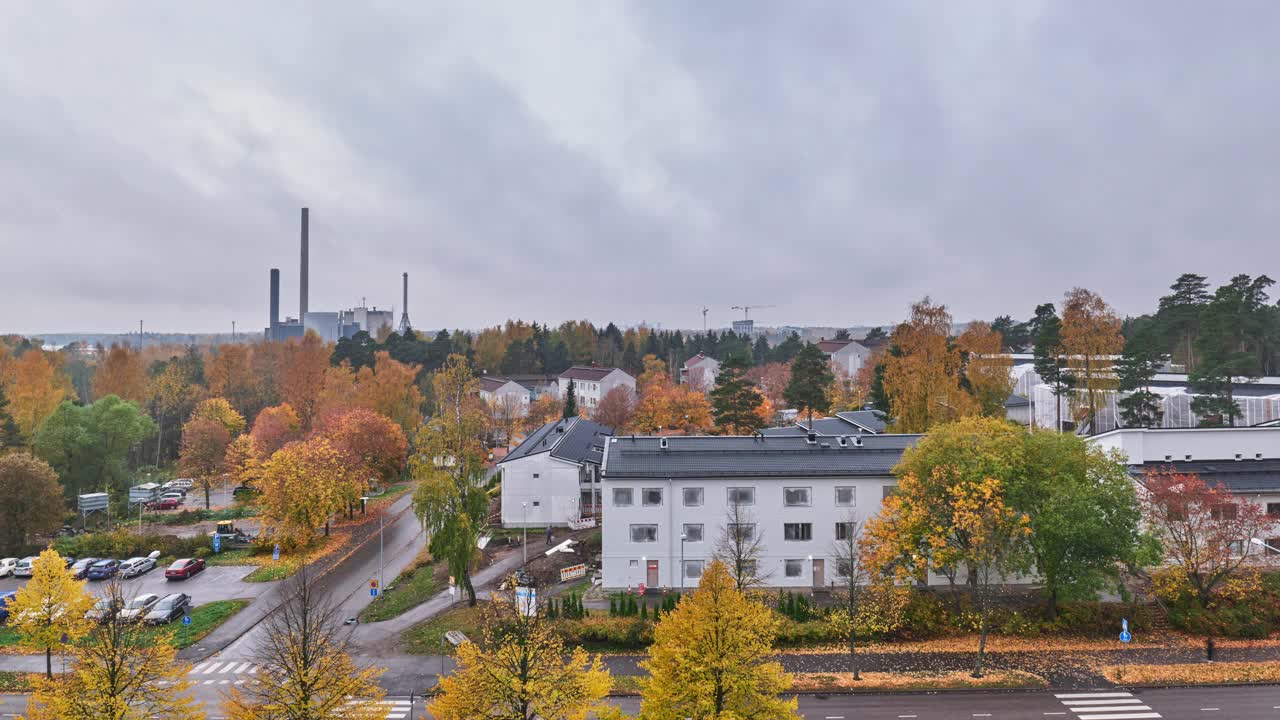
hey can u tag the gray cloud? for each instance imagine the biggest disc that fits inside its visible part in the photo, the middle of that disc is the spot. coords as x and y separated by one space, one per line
628 162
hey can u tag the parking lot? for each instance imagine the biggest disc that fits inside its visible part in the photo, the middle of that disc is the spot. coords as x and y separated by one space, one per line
215 583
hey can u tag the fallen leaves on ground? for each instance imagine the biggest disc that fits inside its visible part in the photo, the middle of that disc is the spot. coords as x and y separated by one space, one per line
882 682
1194 674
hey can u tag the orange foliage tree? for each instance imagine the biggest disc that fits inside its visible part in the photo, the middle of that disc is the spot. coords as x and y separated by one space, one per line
986 368
220 411
275 427
922 382
37 387
369 443
203 453
1090 333
338 391
389 388
303 373
121 373
230 374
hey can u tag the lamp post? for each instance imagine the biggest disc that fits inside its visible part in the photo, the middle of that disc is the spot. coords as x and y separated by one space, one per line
524 528
1262 543
683 537
382 585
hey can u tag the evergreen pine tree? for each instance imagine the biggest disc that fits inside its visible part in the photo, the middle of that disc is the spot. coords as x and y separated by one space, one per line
613 606
570 402
1050 363
644 611
1229 347
811 377
1136 369
735 400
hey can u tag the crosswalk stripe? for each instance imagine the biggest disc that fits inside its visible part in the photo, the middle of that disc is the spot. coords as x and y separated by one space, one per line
210 668
1121 716
197 669
1114 709
1084 696
242 668
1111 701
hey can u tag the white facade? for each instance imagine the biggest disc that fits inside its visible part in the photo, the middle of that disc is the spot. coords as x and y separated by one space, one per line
507 396
1140 446
847 358
540 490
590 385
700 371
659 509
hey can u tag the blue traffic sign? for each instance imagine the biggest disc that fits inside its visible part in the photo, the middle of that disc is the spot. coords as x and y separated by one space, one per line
1125 636
186 619
275 554
373 592
217 543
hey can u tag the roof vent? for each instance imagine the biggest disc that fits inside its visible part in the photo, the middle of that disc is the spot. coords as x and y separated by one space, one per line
811 438
1168 458
1187 457
842 441
824 445
1257 456
662 443
1239 457
857 441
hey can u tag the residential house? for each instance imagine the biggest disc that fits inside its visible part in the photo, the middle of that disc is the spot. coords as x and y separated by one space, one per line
700 371
505 395
553 477
538 385
667 501
591 384
846 356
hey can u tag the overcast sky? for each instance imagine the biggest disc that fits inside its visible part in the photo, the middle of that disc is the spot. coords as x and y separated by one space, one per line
628 161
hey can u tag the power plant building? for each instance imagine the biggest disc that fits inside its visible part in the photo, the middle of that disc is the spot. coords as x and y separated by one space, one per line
329 325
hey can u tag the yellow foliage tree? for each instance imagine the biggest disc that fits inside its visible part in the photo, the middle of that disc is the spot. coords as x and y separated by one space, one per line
121 373
922 377
710 657
520 670
300 487
1090 333
986 368
37 387
390 388
50 605
338 393
220 411
122 671
231 375
845 392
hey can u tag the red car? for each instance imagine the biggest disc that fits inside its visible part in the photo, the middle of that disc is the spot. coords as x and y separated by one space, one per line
165 504
184 568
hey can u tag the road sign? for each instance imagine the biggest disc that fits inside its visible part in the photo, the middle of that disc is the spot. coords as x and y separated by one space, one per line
275 554
186 619
1125 636
373 592
217 543
373 583
527 601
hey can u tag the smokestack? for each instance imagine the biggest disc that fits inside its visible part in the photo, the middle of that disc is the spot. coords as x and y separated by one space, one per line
302 276
405 304
275 303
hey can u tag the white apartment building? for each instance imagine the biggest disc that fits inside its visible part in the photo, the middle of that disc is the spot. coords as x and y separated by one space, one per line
591 384
845 355
700 371
553 477
796 493
505 395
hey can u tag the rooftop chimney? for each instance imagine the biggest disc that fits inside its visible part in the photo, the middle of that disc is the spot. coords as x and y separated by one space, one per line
275 304
302 276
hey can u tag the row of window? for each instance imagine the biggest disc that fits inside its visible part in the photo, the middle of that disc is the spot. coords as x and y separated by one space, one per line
845 496
694 532
791 567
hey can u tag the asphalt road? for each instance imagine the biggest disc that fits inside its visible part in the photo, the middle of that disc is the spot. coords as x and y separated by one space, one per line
1226 703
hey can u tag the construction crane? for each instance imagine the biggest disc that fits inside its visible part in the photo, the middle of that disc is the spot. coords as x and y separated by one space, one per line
746 309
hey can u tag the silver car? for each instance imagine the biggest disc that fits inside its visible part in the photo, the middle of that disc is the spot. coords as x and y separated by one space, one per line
103 610
139 607
24 567
133 567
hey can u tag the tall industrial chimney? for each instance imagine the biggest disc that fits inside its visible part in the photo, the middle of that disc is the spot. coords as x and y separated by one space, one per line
275 304
404 316
302 276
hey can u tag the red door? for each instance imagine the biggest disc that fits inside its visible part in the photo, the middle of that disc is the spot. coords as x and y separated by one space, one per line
651 574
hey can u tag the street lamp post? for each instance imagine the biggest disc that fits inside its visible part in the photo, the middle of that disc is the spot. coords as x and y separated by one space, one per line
1263 544
524 527
683 537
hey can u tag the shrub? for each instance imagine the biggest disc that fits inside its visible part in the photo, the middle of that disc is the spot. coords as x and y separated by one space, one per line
122 543
610 633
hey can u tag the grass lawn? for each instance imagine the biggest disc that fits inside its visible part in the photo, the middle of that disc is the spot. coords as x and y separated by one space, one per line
15 682
410 589
203 621
8 638
427 638
268 570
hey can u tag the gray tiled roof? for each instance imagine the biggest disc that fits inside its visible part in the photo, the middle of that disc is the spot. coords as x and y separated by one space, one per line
1016 400
873 420
854 422
490 383
574 439
1238 476
752 456
582 372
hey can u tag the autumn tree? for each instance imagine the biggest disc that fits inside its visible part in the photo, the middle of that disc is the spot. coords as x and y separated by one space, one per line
663 405
740 546
772 380
122 670
372 447
301 486
735 401
390 388
173 395
32 500
230 374
35 391
922 378
986 368
846 393
51 605
520 668
711 657
275 427
615 408
544 410
305 669
848 553
1050 356
303 368
1090 336
121 373
243 462
220 410
450 500
811 377
203 454
10 435
1205 530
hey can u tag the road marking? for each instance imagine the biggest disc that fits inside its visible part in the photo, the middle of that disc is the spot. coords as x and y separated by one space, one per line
210 682
906 716
1122 716
209 668
197 669
1208 709
1055 713
1112 701
1115 709
982 714
1107 706
1085 696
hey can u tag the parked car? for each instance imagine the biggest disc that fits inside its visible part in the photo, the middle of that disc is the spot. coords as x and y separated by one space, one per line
7 566
241 490
165 503
68 560
170 608
133 567
24 567
180 484
81 567
103 569
5 599
103 611
139 607
184 568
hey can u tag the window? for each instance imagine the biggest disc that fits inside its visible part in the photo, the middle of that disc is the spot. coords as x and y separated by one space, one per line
693 532
888 491
845 496
794 568
1273 510
742 531
635 563
644 533
1226 511
537 503
693 569
651 497
796 496
692 497
1237 548
1273 547
622 497
742 496
536 476
845 530
797 531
